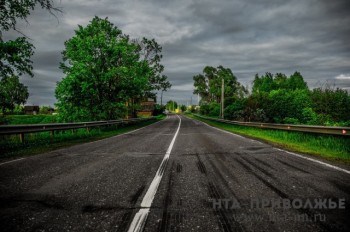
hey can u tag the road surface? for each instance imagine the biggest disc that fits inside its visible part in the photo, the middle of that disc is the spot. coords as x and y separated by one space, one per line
175 175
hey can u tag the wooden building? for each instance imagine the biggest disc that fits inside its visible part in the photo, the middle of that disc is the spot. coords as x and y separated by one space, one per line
147 107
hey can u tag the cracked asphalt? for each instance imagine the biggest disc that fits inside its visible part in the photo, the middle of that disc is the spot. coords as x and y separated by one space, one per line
99 186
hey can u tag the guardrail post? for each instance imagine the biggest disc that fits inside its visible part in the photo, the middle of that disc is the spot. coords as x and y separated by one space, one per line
21 137
88 130
52 134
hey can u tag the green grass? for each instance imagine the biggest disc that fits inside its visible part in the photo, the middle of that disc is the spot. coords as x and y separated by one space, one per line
36 143
27 119
326 146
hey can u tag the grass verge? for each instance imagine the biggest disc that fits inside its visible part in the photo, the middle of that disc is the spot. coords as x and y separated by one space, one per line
27 119
329 147
36 143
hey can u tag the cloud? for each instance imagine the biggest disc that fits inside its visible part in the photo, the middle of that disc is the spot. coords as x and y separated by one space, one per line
247 36
342 77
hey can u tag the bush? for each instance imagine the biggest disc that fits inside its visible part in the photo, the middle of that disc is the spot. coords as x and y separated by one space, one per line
310 117
158 110
214 109
204 109
287 104
331 104
235 111
291 121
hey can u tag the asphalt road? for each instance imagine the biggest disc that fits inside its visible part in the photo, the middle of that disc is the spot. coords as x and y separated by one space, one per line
198 179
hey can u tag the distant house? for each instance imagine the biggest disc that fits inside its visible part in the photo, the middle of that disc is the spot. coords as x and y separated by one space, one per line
31 110
147 107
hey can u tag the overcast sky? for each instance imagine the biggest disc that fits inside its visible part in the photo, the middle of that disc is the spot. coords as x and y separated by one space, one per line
312 37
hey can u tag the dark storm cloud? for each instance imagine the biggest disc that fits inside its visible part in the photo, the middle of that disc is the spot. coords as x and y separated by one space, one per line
247 36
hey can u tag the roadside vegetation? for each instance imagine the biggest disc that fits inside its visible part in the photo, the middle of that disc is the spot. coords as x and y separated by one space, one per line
27 119
273 99
329 147
276 99
11 147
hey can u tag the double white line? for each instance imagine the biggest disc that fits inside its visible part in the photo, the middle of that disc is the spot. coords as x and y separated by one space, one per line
140 218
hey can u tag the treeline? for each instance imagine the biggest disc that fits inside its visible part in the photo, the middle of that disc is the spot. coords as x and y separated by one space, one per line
273 98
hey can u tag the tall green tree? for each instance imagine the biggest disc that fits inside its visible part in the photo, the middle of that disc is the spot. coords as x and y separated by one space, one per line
103 71
12 93
150 52
296 81
208 84
201 87
264 83
270 82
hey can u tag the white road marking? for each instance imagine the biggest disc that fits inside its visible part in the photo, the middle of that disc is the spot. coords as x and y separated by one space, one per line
291 153
93 141
140 218
316 161
11 161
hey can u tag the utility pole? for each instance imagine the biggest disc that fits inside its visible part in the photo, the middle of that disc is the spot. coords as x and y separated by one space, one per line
222 99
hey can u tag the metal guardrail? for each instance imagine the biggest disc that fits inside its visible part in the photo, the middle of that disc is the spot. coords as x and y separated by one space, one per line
330 130
34 128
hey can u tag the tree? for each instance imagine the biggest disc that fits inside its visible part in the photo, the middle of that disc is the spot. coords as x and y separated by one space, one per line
278 98
150 52
264 83
183 108
103 72
14 9
208 84
296 81
270 82
201 87
235 110
15 57
287 106
331 104
12 93
15 54
171 105
164 86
